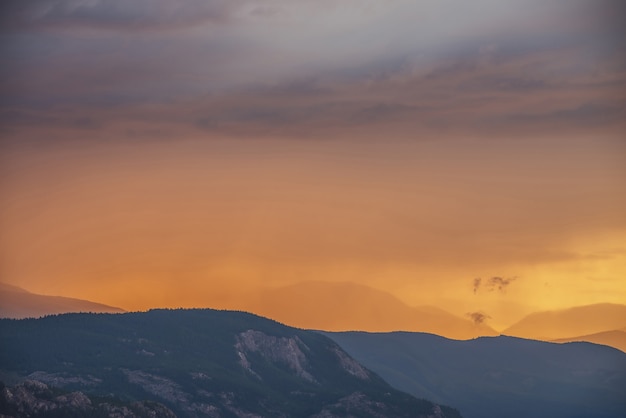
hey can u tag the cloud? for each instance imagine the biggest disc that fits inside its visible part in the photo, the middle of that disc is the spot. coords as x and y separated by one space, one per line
499 283
478 317
495 283
273 70
477 282
114 14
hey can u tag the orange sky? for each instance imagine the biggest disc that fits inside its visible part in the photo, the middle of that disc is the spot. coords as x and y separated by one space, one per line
188 223
183 157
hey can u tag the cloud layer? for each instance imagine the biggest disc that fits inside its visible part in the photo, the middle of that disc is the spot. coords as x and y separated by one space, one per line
243 67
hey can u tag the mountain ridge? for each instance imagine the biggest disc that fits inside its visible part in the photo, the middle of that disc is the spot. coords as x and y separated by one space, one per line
352 306
615 339
514 377
570 322
19 303
203 362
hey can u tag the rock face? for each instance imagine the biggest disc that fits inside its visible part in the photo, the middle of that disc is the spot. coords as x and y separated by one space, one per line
35 399
350 365
276 349
289 352
203 363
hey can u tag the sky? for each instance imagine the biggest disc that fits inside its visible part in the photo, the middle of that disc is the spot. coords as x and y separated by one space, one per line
166 153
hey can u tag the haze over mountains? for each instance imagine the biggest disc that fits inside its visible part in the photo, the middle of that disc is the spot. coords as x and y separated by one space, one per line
349 306
570 322
16 302
313 305
603 323
616 339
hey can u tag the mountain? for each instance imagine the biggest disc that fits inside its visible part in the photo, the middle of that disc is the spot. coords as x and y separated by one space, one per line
616 339
350 306
202 363
493 377
19 303
568 323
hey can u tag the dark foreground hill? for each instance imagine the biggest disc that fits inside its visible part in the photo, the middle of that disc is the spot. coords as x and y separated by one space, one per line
202 363
493 377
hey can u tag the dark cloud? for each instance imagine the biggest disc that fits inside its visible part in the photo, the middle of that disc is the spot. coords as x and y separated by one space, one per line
585 114
245 79
499 283
477 282
478 317
495 283
114 14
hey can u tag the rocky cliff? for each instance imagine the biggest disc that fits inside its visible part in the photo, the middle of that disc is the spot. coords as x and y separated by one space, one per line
35 399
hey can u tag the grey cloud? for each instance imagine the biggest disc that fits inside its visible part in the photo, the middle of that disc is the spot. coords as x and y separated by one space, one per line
512 83
585 113
385 111
477 317
477 282
499 283
495 283
115 14
241 80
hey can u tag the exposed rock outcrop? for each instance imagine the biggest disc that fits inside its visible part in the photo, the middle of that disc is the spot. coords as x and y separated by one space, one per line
350 365
34 398
287 351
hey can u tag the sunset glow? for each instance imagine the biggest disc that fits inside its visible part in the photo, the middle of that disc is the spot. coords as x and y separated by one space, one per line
195 156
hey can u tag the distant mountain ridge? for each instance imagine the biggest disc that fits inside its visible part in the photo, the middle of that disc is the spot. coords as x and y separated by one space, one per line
16 302
615 339
569 323
494 377
346 306
203 363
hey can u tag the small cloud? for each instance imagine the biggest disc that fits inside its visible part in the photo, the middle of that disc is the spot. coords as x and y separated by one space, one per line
477 282
499 283
495 283
477 317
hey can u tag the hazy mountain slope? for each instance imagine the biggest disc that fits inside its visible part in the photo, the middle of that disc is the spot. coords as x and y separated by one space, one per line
616 339
350 306
16 302
583 320
202 363
495 377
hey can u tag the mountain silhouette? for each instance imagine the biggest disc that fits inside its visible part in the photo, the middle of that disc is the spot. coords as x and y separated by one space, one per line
494 377
202 363
16 302
348 306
